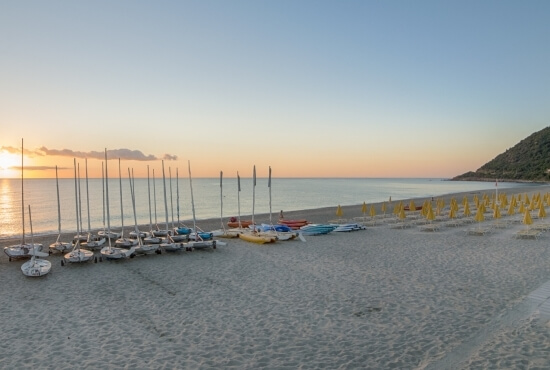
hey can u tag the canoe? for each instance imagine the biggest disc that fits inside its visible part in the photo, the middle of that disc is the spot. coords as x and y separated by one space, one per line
255 238
235 224
317 229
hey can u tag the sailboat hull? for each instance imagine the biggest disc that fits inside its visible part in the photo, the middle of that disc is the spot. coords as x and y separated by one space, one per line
22 251
36 267
78 256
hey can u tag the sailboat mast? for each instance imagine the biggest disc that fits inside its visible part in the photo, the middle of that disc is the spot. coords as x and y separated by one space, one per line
178 196
121 208
149 196
58 205
165 201
171 197
269 186
87 197
192 200
79 202
131 180
221 199
107 200
76 204
155 198
22 198
239 198
253 192
103 193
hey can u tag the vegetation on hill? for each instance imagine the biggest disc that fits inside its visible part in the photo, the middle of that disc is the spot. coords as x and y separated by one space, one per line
529 160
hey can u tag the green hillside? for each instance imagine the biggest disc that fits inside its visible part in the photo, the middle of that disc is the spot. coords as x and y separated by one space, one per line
529 160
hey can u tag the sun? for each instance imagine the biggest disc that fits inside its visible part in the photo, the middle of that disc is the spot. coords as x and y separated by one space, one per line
9 160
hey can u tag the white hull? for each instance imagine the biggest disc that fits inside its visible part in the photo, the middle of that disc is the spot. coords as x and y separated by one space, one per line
126 243
95 244
110 235
60 247
152 240
173 247
148 249
22 251
114 253
36 267
80 255
192 245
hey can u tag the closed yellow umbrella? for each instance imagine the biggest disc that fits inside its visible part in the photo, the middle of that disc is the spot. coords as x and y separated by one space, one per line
452 213
364 208
402 214
521 207
467 211
542 211
372 211
480 217
527 220
511 209
384 207
430 214
397 208
496 212
339 211
412 206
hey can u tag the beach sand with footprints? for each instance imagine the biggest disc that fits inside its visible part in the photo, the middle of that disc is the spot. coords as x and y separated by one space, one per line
380 298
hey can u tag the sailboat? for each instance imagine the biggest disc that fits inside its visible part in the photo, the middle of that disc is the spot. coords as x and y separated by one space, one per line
59 245
92 242
77 254
109 251
140 248
223 232
181 232
253 235
199 242
168 243
281 232
36 266
103 233
158 232
22 250
151 238
79 236
122 241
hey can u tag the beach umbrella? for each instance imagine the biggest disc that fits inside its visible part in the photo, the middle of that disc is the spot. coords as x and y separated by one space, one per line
467 211
452 213
372 211
542 212
527 220
339 211
412 206
496 212
384 208
511 209
465 200
364 208
402 214
430 214
480 217
522 207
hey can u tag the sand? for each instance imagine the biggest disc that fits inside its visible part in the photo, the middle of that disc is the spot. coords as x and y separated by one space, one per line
379 298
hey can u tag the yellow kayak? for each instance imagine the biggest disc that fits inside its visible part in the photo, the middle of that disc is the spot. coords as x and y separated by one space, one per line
257 238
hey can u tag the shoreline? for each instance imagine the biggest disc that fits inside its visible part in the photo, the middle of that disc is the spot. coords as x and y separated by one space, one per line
314 215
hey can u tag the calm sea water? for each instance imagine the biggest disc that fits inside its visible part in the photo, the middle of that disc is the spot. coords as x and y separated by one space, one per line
286 194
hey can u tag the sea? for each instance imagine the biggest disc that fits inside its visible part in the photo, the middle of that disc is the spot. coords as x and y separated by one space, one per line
67 204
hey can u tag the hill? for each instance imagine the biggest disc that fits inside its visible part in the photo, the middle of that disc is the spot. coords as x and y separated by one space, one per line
529 160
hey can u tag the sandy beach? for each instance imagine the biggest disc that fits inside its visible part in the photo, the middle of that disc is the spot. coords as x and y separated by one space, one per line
380 298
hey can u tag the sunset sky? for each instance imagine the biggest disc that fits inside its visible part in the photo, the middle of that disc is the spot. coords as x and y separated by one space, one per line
311 88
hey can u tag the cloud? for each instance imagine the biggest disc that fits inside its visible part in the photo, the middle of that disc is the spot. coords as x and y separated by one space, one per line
125 154
170 157
13 150
36 168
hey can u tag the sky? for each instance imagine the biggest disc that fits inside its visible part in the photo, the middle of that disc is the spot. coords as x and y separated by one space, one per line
312 88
